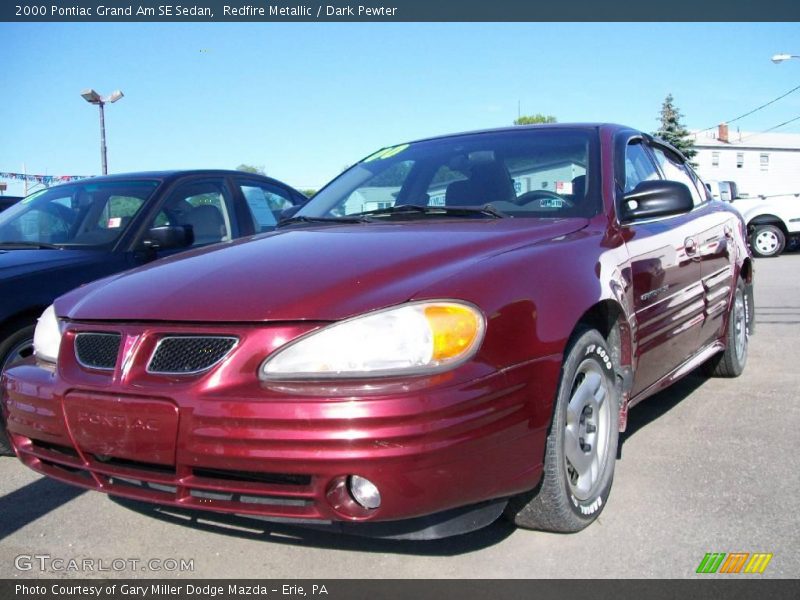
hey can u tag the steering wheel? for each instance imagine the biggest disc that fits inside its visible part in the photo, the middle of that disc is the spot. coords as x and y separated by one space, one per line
534 195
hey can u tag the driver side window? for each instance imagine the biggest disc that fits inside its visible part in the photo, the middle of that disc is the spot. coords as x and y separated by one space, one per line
638 166
203 205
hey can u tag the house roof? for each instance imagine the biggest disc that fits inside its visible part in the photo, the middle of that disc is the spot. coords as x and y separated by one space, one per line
748 140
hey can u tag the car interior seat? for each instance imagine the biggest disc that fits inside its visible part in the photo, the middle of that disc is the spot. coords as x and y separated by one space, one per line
208 225
487 182
578 188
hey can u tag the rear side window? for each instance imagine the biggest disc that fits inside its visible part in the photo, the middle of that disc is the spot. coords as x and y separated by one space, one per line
266 203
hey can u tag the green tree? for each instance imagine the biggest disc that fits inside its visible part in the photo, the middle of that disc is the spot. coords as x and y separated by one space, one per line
308 193
672 130
534 119
251 169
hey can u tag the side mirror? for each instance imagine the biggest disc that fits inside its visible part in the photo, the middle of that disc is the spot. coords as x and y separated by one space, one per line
169 237
651 199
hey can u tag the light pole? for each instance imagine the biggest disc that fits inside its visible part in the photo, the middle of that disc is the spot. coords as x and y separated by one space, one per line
93 97
779 58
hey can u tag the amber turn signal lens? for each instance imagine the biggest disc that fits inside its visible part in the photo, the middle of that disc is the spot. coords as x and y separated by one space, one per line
455 329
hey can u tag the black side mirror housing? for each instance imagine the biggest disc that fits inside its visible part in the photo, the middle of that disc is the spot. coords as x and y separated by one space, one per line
169 237
658 198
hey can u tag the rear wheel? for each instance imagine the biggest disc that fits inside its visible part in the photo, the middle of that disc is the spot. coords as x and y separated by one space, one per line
767 241
581 446
17 346
731 362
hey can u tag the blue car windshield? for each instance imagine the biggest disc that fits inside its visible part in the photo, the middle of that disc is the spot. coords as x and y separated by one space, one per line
84 214
524 172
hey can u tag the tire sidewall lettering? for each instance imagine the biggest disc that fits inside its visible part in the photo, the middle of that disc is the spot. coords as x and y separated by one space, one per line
598 351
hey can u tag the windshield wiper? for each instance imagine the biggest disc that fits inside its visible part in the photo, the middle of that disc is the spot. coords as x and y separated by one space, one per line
26 245
309 219
487 210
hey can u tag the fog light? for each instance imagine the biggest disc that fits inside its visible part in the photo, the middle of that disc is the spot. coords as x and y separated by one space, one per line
364 491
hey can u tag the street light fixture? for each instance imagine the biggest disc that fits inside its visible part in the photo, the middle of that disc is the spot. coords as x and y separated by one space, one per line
93 97
779 58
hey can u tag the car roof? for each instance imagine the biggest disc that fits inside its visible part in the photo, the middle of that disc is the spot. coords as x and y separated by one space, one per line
613 127
174 174
552 126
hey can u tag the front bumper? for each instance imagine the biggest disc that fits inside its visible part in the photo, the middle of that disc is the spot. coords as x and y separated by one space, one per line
223 442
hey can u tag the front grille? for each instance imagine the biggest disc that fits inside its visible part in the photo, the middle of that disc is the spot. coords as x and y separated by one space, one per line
252 476
279 496
97 350
181 355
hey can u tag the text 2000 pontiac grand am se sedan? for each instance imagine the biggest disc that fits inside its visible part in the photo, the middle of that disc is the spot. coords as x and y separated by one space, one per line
452 329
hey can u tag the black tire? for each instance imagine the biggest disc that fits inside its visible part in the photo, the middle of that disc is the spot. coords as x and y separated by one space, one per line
567 500
732 361
767 241
17 344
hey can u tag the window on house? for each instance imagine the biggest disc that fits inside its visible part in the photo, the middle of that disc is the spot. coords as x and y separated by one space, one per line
765 162
715 159
739 160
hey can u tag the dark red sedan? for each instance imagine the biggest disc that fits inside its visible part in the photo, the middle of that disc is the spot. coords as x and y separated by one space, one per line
452 329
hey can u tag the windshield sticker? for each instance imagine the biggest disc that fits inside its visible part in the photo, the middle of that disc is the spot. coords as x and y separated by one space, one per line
563 187
387 153
114 222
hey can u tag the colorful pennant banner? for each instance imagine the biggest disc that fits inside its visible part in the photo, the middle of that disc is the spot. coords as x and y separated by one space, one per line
45 179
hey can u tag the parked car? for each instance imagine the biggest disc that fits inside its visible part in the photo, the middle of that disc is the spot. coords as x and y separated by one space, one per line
773 223
722 190
8 201
451 329
65 236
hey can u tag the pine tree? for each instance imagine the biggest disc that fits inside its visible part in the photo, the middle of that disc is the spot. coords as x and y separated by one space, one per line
672 130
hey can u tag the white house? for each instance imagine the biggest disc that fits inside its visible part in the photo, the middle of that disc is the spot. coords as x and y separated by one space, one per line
761 164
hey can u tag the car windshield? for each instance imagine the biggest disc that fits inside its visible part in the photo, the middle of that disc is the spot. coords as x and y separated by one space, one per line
85 214
516 173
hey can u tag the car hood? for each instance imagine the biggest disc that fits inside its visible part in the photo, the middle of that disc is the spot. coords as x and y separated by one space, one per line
305 273
14 263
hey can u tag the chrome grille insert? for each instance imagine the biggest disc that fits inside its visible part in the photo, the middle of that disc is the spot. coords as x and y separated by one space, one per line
97 350
189 354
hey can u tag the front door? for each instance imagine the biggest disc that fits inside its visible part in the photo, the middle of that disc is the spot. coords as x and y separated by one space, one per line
666 279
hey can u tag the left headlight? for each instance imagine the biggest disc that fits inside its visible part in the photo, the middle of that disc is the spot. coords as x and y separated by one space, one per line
47 336
414 338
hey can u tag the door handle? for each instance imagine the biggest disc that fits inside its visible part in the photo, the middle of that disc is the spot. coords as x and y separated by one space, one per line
690 245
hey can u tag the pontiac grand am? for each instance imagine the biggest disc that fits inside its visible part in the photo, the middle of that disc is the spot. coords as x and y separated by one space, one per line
452 329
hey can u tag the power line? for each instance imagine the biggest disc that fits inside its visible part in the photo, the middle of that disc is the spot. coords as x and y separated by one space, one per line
752 135
747 114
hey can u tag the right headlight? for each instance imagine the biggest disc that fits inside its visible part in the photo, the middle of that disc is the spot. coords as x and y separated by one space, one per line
414 338
47 336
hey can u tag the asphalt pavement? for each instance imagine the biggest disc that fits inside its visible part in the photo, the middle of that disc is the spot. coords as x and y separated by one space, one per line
710 465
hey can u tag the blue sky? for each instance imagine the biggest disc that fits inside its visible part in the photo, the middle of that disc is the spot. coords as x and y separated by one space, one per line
304 100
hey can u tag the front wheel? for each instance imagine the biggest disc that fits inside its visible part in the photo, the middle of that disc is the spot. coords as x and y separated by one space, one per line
581 446
14 348
767 241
